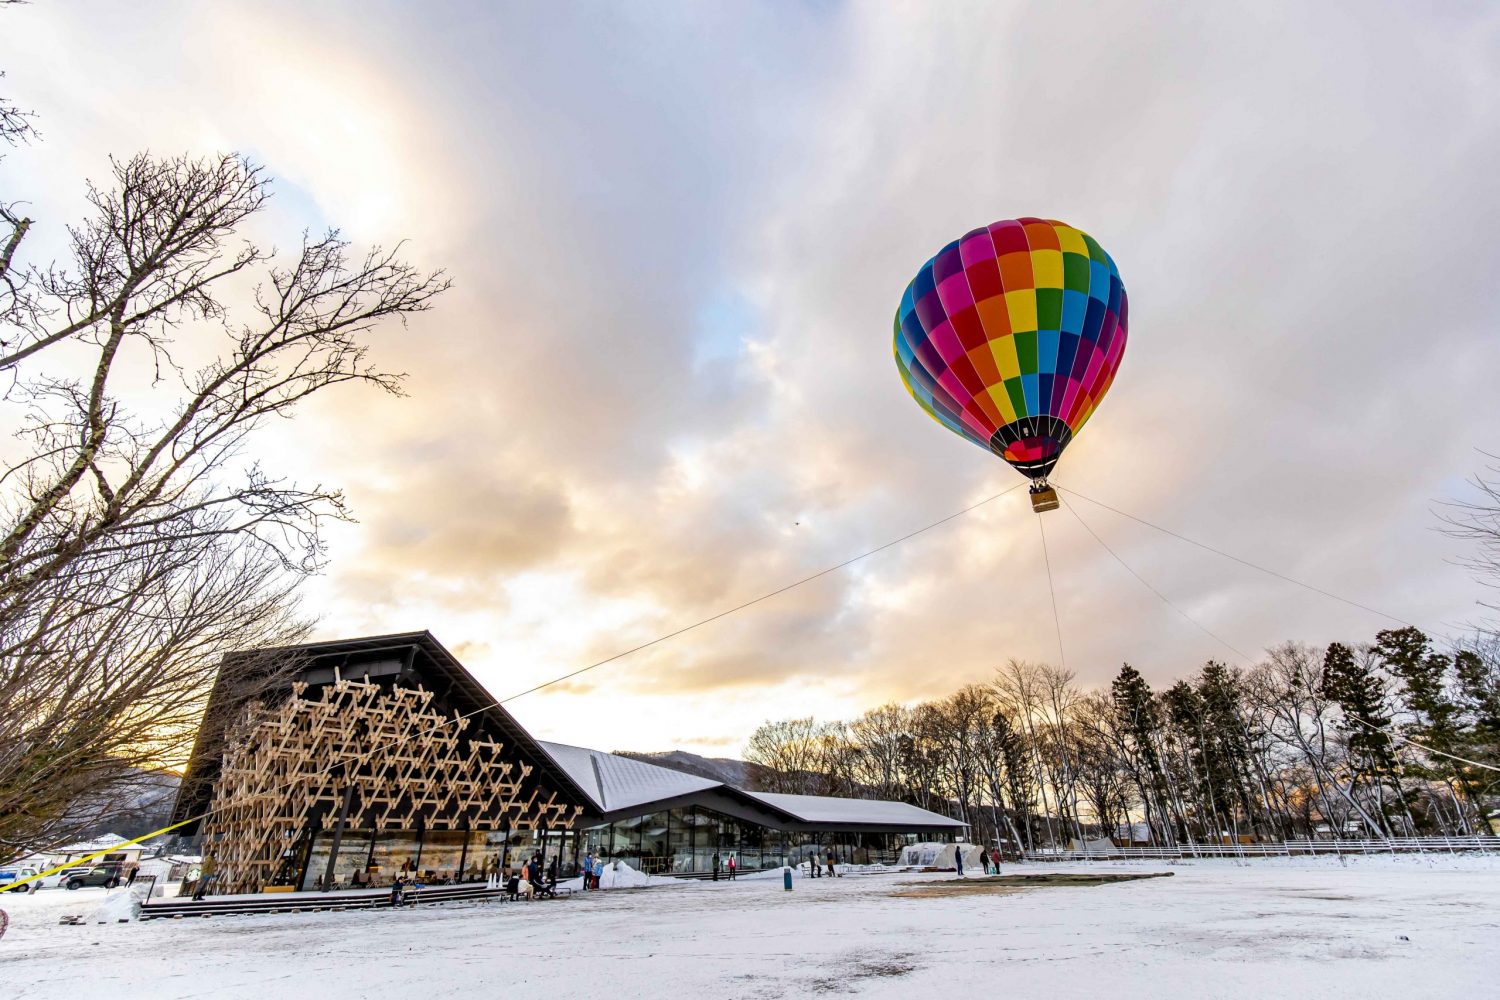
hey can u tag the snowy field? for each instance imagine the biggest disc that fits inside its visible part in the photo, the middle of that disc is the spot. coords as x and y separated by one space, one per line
1406 927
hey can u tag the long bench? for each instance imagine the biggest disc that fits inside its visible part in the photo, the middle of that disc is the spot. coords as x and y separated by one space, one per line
290 902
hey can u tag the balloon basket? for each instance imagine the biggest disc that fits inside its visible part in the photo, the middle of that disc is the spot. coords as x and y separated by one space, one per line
1043 499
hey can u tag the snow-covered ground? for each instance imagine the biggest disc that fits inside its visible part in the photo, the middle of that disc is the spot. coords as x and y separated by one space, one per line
1406 927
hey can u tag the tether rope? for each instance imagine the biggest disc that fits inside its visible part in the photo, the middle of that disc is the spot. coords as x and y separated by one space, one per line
1373 728
1062 658
1242 562
1143 582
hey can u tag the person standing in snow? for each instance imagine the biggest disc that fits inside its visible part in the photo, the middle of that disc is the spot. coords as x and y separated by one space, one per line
832 860
995 857
732 866
205 876
588 870
958 859
598 871
716 866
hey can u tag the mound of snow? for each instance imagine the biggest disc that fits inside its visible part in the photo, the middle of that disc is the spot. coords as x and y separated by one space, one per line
118 906
619 875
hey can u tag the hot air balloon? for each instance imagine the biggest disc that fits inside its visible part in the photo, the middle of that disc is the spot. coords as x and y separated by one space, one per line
1010 336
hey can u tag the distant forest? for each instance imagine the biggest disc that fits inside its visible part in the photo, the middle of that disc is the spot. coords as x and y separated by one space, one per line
1381 739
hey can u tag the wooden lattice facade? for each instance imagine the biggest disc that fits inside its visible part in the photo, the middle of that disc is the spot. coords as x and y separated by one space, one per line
376 750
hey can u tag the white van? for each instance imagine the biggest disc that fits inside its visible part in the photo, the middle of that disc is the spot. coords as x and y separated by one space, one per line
9 876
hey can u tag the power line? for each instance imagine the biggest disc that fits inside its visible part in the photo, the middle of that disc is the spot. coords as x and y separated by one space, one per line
1242 562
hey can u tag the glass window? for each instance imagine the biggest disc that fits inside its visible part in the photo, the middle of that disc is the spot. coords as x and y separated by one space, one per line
654 854
752 838
354 850
625 839
682 827
393 851
442 853
520 845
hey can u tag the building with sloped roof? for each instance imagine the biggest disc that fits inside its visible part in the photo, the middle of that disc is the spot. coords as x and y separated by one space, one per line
350 762
668 822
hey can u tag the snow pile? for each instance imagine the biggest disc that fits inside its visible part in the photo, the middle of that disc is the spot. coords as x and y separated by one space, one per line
619 875
119 906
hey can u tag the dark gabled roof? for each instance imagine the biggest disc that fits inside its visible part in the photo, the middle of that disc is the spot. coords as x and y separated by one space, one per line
413 655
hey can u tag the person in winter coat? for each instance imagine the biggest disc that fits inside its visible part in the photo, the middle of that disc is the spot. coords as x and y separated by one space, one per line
588 870
995 857
716 866
205 875
598 871
733 864
958 859
832 871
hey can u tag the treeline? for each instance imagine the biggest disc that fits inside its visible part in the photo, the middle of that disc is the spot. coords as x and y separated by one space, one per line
1382 739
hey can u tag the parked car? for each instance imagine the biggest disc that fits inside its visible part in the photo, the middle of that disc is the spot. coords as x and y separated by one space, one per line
105 875
8 876
58 879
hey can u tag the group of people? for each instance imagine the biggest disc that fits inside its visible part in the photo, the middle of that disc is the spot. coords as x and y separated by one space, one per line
530 881
592 870
817 868
988 860
730 867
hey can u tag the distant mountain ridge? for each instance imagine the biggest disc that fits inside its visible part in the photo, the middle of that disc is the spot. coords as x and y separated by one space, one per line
740 773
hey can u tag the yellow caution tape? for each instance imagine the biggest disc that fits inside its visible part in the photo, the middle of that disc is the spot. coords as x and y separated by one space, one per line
97 854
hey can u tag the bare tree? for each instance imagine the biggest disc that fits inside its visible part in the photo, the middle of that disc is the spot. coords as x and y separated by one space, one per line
878 736
138 540
795 752
1477 520
958 730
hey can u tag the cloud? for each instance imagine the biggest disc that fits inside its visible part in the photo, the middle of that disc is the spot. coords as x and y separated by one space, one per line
662 385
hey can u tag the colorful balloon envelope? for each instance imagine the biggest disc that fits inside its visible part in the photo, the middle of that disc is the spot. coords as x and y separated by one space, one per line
1010 337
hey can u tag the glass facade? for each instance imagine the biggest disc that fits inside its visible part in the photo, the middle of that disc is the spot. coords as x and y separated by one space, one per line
680 841
686 840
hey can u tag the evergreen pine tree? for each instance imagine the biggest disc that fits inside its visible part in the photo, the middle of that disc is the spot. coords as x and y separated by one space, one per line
1135 705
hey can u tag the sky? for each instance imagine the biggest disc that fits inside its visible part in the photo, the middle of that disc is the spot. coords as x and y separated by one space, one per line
662 383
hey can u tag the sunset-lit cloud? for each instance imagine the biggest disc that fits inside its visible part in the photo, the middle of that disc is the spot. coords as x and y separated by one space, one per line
662 384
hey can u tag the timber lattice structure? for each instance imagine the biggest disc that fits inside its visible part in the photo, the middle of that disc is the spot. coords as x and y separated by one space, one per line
290 765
